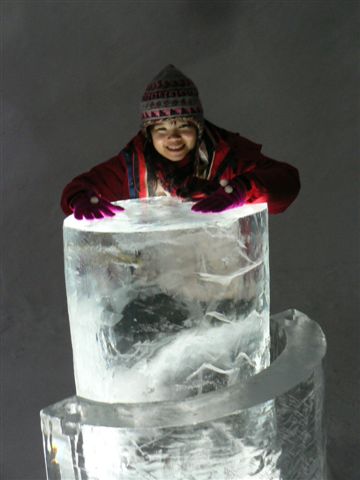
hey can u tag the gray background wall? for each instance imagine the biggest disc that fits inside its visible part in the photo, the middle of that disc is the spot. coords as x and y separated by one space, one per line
283 73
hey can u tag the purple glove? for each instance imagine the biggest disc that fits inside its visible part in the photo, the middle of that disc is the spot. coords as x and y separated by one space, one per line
89 205
229 195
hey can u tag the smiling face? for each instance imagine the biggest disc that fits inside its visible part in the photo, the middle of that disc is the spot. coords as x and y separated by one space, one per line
174 139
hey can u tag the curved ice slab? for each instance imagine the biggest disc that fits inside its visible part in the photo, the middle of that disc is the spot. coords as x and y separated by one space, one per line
230 433
165 303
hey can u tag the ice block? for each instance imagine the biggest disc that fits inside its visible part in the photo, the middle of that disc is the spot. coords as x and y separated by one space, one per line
165 303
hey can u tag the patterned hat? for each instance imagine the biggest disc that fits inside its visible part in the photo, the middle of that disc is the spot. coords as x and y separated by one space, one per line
171 95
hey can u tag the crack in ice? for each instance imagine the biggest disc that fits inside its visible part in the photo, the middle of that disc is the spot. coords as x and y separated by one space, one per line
225 280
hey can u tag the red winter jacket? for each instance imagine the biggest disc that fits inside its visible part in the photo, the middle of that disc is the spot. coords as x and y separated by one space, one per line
230 155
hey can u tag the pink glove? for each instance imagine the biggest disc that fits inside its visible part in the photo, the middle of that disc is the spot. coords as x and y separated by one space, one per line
229 195
89 205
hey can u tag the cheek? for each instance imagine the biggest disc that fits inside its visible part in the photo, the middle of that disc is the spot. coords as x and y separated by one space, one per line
190 140
157 142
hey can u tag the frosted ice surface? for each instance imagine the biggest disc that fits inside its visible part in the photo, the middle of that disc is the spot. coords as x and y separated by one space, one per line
165 303
160 213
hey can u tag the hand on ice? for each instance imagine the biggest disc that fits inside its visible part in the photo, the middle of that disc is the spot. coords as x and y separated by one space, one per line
197 188
89 205
230 194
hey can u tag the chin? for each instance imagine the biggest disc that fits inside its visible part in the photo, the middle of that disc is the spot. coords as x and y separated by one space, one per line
176 159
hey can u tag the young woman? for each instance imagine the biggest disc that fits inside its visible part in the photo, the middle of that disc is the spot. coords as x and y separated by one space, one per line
177 152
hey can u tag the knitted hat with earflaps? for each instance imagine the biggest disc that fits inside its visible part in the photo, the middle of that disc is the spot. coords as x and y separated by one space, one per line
171 95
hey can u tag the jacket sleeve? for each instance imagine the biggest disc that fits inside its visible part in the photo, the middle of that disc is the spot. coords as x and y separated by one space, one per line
268 180
108 179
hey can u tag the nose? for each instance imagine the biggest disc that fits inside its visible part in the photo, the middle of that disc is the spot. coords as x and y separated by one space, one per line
174 133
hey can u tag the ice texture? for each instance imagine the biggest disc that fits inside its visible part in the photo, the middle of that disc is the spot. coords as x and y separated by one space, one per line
165 303
268 427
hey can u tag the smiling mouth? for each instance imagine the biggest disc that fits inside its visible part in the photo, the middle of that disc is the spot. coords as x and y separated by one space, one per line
175 149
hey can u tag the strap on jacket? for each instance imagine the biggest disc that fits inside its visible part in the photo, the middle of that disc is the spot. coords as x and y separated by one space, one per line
132 171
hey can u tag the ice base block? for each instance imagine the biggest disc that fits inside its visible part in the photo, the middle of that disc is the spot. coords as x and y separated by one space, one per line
269 426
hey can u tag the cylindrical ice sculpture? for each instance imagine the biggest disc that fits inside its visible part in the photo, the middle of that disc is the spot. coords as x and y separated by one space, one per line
165 303
169 318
